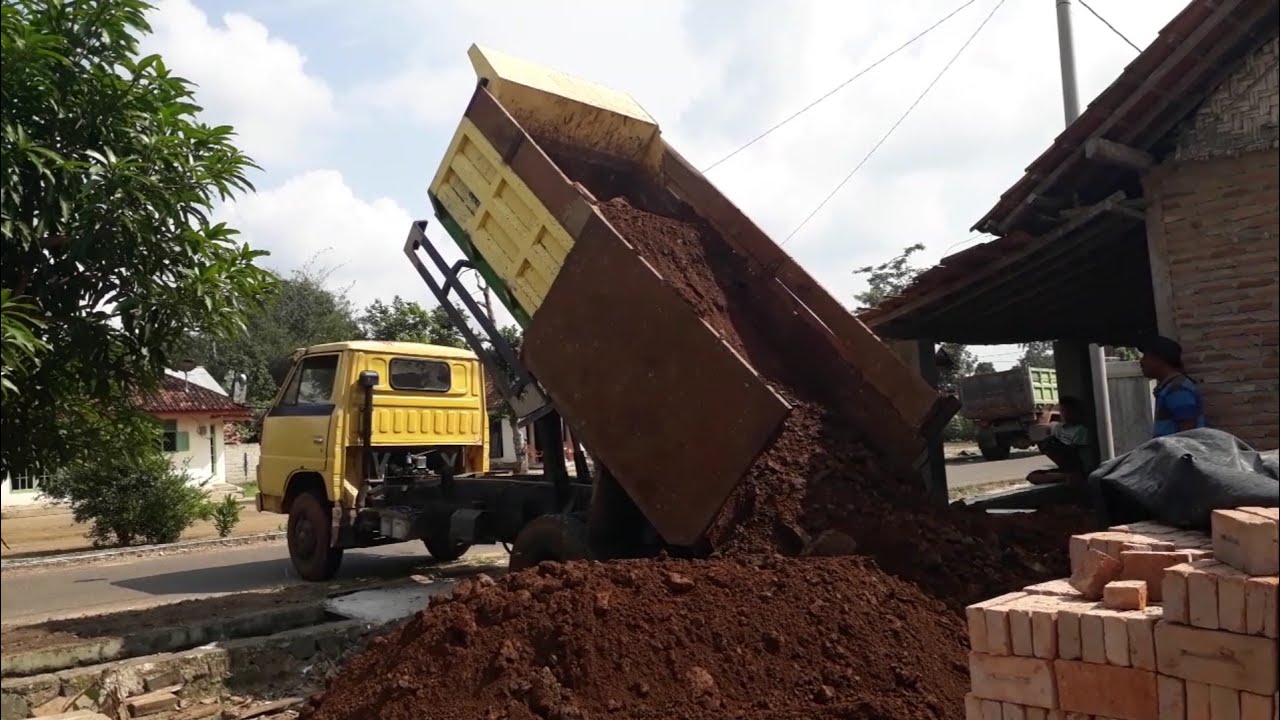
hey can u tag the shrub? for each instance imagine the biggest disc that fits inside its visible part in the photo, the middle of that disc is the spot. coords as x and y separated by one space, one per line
960 429
130 497
226 515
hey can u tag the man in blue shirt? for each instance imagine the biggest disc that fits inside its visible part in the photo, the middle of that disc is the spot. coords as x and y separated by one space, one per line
1178 404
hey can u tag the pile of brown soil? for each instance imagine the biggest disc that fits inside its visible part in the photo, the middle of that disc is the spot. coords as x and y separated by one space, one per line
818 475
665 639
747 634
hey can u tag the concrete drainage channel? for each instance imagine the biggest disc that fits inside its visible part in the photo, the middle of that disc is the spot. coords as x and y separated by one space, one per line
184 672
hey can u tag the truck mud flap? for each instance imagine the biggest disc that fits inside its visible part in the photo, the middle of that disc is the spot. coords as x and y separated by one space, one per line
676 415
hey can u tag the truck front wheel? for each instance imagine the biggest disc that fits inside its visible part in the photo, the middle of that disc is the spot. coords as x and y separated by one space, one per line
551 538
995 448
308 535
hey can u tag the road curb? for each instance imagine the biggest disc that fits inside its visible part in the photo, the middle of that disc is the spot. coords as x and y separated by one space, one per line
96 556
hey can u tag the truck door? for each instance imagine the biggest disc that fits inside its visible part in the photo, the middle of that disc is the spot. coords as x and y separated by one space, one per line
295 433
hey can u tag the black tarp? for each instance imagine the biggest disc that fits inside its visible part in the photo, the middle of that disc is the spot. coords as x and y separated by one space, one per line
1180 479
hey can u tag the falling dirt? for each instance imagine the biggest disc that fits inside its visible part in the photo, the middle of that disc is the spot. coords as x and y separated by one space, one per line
752 632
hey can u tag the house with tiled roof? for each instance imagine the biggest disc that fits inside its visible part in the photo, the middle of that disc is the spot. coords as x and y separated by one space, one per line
1156 211
193 411
193 416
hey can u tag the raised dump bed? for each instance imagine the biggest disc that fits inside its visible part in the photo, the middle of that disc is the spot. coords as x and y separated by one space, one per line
668 402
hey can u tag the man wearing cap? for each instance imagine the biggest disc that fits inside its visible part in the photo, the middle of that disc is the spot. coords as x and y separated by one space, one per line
1178 405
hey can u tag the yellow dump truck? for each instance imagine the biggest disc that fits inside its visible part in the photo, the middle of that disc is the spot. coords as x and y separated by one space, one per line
672 430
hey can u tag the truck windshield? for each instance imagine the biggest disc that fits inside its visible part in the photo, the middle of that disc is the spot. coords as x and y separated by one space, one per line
422 375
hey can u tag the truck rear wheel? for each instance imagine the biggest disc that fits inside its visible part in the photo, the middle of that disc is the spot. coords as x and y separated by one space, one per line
309 534
551 538
994 449
441 549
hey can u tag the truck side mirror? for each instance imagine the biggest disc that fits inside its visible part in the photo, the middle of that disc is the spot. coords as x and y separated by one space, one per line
368 379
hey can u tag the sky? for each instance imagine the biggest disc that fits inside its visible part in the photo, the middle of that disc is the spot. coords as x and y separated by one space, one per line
348 108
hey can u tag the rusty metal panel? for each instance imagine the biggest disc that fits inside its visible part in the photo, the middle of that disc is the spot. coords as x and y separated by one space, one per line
651 389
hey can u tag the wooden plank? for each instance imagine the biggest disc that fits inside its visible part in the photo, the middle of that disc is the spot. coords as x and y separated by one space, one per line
1113 153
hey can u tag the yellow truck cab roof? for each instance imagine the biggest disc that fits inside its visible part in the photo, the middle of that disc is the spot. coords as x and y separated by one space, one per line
393 348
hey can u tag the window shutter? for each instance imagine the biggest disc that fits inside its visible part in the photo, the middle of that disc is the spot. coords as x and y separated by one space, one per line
183 443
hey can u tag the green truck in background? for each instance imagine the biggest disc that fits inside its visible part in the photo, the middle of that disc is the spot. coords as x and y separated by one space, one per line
1005 405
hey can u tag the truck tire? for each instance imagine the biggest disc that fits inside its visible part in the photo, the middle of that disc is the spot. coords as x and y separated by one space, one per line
998 449
551 538
442 551
308 534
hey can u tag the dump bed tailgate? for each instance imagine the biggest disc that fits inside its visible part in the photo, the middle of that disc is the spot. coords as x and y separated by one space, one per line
655 394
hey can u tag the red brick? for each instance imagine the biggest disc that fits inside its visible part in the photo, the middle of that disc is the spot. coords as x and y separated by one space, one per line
1095 571
1197 701
976 616
1174 591
1150 567
1025 681
1069 631
1224 703
1231 599
1142 638
1246 541
1261 611
1125 595
1213 657
1202 595
1171 698
1257 707
1129 694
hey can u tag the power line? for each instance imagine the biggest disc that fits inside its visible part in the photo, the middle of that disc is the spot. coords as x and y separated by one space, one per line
895 125
1113 27
837 88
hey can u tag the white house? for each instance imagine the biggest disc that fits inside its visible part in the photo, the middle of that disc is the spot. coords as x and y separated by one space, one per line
193 410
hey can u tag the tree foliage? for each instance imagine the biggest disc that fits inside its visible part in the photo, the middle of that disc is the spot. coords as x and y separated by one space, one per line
108 181
1037 354
129 496
888 278
21 347
408 321
303 312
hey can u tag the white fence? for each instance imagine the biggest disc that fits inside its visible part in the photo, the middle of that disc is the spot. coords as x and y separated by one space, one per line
242 463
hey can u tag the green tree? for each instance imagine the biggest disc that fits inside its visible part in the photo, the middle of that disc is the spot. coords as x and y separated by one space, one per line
304 311
891 278
888 278
108 185
514 336
1037 354
408 321
22 348
984 368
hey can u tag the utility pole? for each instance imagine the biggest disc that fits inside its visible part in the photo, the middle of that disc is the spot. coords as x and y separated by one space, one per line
1071 111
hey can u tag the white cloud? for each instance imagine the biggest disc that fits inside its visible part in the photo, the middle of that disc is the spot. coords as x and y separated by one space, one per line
714 73
316 219
247 78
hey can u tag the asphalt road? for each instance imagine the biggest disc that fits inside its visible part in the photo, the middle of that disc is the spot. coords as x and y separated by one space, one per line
31 596
966 472
91 589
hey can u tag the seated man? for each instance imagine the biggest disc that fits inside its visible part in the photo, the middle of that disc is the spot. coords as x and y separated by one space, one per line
1067 445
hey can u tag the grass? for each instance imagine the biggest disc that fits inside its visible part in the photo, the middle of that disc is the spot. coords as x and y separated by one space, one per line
249 489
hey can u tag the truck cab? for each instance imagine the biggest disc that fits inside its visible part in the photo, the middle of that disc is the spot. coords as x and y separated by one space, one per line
357 425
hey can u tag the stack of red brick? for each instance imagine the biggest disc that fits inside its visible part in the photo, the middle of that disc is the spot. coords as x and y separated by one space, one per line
1154 624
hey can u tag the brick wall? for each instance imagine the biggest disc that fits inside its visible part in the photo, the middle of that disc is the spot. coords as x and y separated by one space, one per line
1241 115
242 463
1214 233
